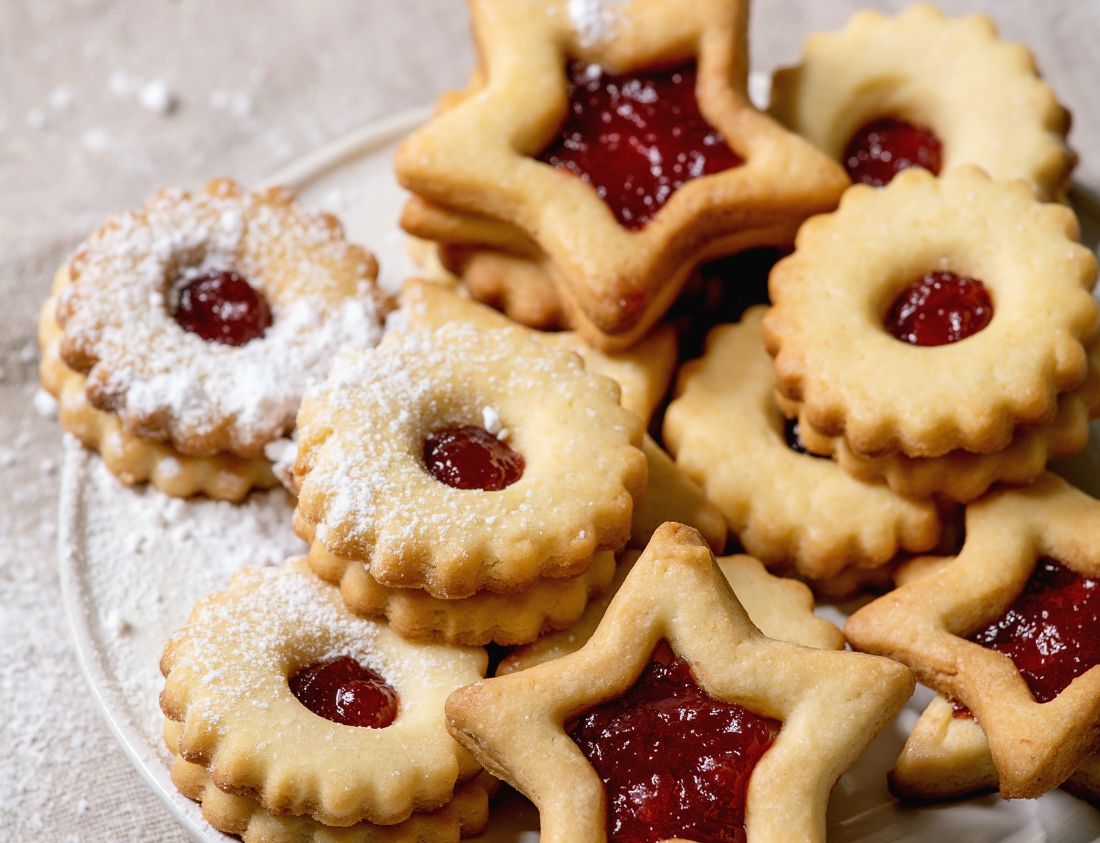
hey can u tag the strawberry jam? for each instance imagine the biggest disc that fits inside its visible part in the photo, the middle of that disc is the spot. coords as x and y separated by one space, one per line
960 711
883 148
1052 630
345 692
636 138
939 309
222 307
674 761
470 457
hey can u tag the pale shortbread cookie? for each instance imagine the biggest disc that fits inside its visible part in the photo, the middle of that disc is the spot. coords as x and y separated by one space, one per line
129 457
366 495
485 617
1035 746
226 681
787 508
981 96
167 384
831 704
465 815
855 380
614 283
643 372
779 607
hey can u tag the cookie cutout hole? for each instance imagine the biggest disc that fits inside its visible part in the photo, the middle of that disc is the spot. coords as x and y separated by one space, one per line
221 307
675 762
881 149
636 138
939 309
1052 629
345 692
470 457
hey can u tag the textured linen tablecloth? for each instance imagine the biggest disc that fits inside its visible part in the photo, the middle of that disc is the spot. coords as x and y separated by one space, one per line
102 102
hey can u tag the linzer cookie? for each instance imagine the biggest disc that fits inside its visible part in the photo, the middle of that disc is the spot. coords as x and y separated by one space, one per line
786 506
925 90
676 684
1009 629
893 312
618 140
286 698
181 337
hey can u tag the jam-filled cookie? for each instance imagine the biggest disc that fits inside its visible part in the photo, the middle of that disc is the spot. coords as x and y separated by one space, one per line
933 315
463 460
925 90
786 506
625 152
465 815
194 325
287 698
1010 629
675 685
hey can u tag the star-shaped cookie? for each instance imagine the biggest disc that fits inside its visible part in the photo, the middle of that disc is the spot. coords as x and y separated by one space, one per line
480 156
830 704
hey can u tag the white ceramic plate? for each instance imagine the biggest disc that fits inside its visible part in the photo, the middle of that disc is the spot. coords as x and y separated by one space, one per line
133 562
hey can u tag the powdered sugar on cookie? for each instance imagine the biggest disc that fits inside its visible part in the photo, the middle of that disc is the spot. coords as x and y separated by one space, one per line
593 20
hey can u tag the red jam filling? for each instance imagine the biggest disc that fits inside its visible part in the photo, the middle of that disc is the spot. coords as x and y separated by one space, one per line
883 148
470 457
222 307
960 711
793 437
674 761
636 138
345 692
1052 630
939 309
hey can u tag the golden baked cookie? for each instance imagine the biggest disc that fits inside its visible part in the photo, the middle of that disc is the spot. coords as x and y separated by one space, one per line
779 607
129 457
619 218
793 718
922 89
933 315
643 372
485 617
465 815
287 698
464 460
200 319
787 507
1009 628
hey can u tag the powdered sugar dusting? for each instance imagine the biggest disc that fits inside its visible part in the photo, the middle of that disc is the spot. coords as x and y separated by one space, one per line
593 20
168 383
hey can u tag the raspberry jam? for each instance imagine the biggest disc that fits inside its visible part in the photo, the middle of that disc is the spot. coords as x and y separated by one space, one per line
960 711
1052 630
345 692
674 761
222 307
636 138
470 457
939 309
883 148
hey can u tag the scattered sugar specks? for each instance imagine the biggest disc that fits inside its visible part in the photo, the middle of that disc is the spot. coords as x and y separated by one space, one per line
157 97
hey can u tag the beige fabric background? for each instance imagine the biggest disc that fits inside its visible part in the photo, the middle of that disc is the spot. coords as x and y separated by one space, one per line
257 84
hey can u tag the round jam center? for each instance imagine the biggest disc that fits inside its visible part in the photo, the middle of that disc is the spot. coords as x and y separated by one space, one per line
345 692
674 761
636 138
1052 631
939 309
222 307
471 458
883 148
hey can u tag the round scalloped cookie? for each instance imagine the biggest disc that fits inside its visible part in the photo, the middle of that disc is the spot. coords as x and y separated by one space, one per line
483 618
787 508
833 353
464 816
367 496
981 96
227 681
120 328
